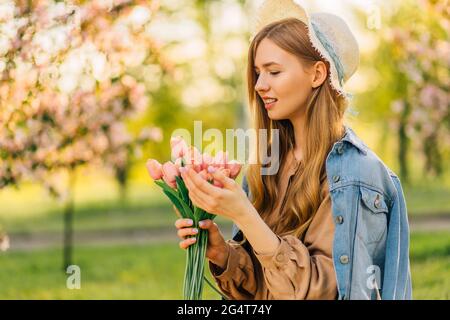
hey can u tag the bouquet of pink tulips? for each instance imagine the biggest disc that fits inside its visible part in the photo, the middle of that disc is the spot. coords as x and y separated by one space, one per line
168 177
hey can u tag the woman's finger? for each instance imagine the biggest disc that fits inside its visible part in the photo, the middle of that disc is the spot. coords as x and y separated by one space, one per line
201 184
192 187
219 176
214 234
183 233
206 224
186 243
183 223
199 202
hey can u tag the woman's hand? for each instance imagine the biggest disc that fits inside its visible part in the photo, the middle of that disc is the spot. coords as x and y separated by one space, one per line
229 201
217 250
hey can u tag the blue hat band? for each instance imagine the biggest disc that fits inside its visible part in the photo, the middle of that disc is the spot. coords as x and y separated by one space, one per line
329 48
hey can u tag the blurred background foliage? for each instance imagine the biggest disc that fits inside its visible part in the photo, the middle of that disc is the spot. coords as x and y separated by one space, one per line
121 227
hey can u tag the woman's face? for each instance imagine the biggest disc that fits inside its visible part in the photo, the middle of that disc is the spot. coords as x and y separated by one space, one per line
287 80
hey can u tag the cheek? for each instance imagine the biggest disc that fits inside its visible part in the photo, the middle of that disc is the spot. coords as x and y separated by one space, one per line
293 93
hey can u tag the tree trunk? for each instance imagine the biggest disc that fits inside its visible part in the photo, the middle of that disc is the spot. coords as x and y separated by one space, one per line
68 222
122 179
433 159
403 144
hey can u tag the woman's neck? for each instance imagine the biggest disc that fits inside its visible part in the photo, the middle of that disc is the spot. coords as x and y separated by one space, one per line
299 134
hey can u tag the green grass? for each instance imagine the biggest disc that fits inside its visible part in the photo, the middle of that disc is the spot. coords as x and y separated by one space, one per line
122 272
427 199
96 216
156 272
430 265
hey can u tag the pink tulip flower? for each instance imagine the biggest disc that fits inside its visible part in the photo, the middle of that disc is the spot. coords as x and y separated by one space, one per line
154 168
170 171
235 168
221 159
194 157
178 163
178 146
207 161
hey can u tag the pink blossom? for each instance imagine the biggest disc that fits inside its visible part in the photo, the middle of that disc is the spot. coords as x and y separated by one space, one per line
154 134
154 169
397 106
427 95
70 47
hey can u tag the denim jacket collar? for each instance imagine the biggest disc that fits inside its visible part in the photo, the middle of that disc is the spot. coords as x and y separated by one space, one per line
354 140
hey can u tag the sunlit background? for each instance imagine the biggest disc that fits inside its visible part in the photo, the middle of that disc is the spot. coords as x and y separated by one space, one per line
89 90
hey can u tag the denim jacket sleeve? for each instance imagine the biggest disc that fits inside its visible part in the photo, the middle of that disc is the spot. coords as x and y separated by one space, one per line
397 274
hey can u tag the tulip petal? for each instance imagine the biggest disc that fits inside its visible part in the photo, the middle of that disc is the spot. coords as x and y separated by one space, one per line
154 168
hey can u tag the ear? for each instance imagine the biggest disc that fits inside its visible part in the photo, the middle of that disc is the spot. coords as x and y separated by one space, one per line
320 74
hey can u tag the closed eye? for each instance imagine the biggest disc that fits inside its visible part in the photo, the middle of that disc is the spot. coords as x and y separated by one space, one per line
272 73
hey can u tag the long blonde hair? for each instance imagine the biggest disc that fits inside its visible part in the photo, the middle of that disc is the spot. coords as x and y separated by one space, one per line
324 125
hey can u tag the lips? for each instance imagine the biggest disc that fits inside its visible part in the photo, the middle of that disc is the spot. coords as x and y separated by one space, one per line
269 105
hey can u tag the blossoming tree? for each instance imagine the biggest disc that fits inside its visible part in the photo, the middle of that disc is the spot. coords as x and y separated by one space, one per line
411 81
424 111
67 88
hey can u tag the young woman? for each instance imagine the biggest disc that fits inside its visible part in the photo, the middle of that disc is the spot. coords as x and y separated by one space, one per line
332 222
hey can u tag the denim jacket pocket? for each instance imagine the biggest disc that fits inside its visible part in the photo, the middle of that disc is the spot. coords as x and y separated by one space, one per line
373 220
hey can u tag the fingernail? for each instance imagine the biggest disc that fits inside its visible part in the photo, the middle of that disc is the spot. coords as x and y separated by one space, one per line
193 240
211 169
202 223
195 230
190 222
182 169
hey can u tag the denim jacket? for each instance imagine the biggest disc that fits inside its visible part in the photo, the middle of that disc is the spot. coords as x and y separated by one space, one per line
371 240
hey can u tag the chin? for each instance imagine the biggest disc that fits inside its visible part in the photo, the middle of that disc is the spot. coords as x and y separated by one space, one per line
273 115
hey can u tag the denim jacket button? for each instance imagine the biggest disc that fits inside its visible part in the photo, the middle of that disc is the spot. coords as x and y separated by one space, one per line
339 219
343 259
336 178
377 202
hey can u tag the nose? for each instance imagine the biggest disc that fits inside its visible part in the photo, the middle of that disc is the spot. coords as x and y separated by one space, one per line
261 84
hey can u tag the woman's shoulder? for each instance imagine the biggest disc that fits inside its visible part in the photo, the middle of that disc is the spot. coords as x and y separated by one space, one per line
351 160
360 154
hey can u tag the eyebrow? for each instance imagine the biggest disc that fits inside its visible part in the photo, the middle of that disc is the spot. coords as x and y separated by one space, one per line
268 64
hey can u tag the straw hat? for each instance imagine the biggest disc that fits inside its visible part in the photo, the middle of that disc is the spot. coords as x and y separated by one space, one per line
328 33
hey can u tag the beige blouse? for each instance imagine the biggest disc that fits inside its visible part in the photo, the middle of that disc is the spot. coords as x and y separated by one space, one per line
296 270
